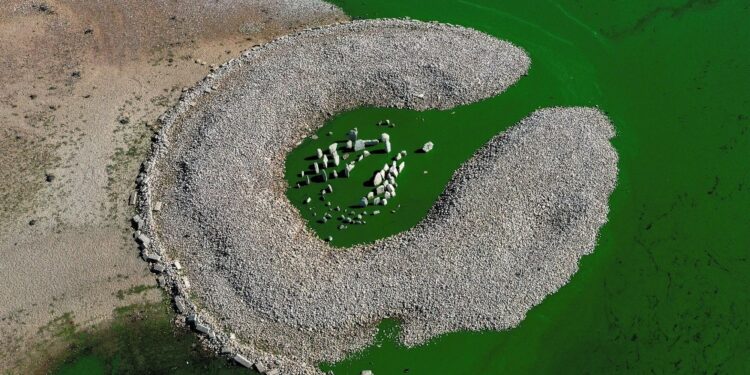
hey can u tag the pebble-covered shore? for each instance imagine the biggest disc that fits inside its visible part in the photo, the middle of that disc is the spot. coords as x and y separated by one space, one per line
261 288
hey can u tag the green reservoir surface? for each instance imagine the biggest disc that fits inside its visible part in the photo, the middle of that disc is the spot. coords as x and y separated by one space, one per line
665 291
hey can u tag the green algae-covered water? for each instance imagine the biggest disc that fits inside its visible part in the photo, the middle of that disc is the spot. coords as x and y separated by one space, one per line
666 289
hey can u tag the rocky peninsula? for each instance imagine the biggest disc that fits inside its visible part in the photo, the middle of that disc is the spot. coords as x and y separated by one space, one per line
247 273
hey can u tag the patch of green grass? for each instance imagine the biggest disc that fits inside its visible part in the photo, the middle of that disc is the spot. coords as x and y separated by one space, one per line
141 339
137 289
60 327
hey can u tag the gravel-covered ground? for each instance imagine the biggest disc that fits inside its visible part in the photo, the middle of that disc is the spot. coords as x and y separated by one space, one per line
510 228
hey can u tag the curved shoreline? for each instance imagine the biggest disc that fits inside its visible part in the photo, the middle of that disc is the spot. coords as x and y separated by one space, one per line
275 293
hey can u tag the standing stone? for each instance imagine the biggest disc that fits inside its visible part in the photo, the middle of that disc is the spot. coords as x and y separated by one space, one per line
334 174
316 168
319 153
325 175
378 179
401 167
363 202
376 201
307 180
359 145
332 148
370 195
336 159
352 134
380 190
427 147
365 153
349 144
387 147
325 161
385 137
348 169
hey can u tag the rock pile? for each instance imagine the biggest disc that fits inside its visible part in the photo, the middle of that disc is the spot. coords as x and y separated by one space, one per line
288 299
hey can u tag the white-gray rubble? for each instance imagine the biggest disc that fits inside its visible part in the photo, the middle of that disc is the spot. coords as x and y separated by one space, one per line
509 229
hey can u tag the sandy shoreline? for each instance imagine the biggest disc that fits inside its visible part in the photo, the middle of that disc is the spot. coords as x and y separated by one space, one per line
218 173
88 83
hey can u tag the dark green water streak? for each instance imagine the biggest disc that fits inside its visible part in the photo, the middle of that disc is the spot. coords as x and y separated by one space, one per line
666 289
